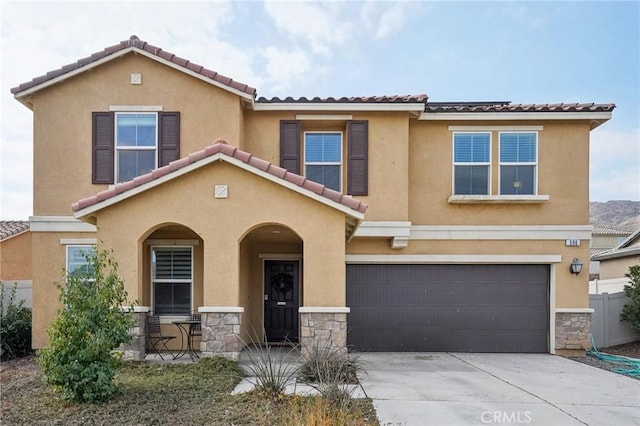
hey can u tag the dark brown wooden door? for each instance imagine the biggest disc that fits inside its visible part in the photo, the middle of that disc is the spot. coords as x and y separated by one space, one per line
281 300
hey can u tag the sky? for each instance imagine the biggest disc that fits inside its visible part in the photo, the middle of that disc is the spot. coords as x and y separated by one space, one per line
524 52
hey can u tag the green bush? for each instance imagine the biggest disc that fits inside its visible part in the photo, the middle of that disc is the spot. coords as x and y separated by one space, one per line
15 326
80 362
631 311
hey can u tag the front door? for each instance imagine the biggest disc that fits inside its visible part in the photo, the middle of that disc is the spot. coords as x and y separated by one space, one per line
281 300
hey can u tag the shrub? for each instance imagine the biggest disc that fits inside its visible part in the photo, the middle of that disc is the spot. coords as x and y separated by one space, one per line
80 362
332 372
631 311
271 367
15 326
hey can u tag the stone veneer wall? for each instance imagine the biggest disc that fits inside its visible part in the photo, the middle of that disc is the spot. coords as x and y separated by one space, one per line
572 330
221 334
136 349
323 331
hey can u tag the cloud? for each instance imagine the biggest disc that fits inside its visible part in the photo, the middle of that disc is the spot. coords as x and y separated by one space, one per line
321 26
283 66
384 19
615 165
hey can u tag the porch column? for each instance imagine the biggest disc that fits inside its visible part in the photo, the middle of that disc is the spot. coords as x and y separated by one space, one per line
323 328
221 331
135 349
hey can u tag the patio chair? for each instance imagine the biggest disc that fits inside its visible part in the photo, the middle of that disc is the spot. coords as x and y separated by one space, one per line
196 329
156 341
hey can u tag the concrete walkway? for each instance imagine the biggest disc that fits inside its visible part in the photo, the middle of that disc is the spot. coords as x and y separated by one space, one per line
496 389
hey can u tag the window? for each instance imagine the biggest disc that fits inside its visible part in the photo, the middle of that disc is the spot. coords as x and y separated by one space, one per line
136 144
518 156
323 158
471 163
128 144
172 280
78 261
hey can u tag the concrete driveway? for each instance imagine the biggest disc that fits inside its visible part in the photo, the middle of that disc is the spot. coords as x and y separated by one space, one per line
496 389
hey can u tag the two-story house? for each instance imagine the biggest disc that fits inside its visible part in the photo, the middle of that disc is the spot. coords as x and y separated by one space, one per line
384 223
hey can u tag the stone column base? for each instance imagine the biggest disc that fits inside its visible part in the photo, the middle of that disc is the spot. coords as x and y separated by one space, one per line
221 331
323 328
572 329
135 349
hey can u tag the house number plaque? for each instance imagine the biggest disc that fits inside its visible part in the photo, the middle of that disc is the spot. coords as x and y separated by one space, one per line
572 243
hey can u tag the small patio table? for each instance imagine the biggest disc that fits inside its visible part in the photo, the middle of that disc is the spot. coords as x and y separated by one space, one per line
187 328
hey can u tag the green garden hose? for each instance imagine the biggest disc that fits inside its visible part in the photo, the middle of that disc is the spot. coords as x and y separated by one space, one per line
629 366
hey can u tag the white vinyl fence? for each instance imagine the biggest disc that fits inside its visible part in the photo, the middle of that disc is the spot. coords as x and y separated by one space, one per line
606 327
614 285
23 292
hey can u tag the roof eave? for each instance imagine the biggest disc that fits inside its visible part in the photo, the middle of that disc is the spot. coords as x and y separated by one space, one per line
90 210
119 53
340 106
596 118
615 254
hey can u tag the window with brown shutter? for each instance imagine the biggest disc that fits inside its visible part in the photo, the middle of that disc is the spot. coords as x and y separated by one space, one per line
290 145
103 147
129 144
168 137
357 157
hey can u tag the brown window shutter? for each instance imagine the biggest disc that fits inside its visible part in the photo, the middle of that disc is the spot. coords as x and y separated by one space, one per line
102 146
358 157
290 145
168 137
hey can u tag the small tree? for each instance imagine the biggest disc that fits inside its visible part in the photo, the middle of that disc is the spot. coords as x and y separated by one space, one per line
80 362
631 311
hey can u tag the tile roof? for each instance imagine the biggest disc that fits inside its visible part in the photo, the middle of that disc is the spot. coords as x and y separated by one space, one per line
507 106
9 228
221 147
597 251
394 99
135 42
605 230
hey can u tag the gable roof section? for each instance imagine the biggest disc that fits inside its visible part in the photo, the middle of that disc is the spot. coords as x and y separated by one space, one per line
629 247
134 44
221 151
11 228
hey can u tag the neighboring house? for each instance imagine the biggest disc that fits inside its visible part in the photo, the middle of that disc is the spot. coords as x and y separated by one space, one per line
603 238
15 259
386 223
615 263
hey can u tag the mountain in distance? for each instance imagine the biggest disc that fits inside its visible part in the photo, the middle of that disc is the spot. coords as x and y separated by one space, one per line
618 214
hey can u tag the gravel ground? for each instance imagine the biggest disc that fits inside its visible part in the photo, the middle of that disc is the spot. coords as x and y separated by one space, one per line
630 350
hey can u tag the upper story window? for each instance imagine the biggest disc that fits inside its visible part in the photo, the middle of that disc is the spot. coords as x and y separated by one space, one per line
136 144
471 163
518 161
129 143
323 158
172 279
328 157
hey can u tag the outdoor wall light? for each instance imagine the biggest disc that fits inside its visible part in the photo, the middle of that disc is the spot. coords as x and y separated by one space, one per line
576 266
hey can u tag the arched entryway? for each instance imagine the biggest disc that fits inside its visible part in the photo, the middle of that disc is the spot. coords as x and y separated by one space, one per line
172 271
271 285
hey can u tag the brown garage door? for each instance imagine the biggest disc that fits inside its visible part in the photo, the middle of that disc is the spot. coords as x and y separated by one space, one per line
448 308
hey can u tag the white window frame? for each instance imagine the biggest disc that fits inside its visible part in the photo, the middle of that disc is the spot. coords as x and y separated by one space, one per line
454 163
117 148
317 163
534 164
88 247
169 317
